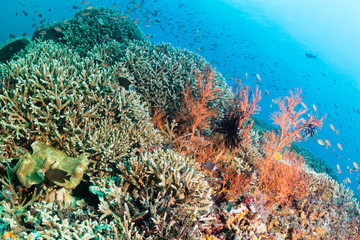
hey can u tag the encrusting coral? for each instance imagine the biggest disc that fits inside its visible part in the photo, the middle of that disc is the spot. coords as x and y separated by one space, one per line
32 169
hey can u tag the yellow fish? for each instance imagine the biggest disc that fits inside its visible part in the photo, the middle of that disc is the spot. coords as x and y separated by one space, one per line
278 156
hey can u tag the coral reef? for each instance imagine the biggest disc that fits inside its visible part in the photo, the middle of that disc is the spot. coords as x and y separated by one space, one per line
33 169
63 99
133 140
89 27
160 75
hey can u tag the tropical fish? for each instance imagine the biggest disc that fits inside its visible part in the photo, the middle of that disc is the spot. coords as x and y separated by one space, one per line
278 156
86 2
57 29
346 180
309 55
315 108
328 142
339 146
114 18
321 142
210 166
258 77
57 175
332 127
356 166
338 167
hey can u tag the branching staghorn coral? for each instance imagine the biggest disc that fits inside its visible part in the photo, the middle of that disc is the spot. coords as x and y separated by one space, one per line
160 75
169 187
52 95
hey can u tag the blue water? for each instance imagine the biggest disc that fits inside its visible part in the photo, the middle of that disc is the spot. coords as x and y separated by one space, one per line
265 37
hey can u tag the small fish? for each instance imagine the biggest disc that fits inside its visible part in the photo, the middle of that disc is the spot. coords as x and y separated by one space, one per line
246 75
86 2
65 21
11 35
304 105
266 92
25 34
309 55
321 142
75 7
278 156
315 108
346 180
42 33
100 21
89 7
356 166
86 13
147 25
104 64
159 48
106 37
339 146
124 16
332 127
115 5
25 13
258 77
114 18
338 167
134 21
210 166
327 142
57 29
149 36
57 175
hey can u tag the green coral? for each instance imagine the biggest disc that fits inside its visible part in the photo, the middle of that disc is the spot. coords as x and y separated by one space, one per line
31 169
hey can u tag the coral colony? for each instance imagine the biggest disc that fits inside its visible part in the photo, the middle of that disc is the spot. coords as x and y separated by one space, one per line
105 135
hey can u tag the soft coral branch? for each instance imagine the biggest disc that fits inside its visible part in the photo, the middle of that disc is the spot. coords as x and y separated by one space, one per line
290 121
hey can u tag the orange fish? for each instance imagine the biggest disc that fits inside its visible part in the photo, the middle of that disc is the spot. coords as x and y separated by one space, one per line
332 127
134 21
86 13
25 34
124 16
86 2
104 64
114 18
147 25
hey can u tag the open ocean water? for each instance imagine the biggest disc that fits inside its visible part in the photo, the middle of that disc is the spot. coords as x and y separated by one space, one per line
314 45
